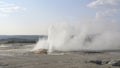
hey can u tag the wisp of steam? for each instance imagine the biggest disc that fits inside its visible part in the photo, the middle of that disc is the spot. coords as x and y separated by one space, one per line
87 36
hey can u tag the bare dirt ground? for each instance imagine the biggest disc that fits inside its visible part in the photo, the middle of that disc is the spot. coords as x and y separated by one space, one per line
68 60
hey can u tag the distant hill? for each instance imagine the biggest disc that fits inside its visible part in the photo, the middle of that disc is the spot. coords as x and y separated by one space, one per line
21 38
32 37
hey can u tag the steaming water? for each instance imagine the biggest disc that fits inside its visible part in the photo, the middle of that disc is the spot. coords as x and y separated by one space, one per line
14 49
93 36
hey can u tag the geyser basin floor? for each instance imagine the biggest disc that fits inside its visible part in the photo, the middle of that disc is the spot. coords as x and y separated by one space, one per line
71 60
15 49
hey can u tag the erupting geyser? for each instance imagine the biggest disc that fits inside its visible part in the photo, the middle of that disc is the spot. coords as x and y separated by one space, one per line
85 37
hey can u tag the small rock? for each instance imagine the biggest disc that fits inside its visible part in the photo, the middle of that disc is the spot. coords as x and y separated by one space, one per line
2 64
105 62
99 62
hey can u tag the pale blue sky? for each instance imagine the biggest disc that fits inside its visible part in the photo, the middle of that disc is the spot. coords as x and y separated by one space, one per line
34 16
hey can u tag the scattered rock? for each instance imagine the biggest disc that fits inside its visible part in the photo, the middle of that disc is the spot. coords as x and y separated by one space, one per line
103 62
114 62
40 51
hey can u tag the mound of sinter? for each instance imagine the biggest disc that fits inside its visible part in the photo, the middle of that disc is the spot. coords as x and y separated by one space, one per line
40 51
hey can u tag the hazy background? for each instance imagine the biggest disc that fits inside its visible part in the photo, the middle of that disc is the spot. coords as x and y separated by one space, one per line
28 17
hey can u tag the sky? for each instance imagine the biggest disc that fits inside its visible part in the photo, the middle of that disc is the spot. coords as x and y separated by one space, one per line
33 17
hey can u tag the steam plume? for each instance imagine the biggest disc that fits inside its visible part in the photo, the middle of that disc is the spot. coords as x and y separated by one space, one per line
86 36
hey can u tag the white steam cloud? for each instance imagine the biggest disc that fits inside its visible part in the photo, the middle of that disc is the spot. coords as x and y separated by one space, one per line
85 36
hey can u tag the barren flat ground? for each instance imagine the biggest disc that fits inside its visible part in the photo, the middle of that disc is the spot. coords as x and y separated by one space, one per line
68 60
